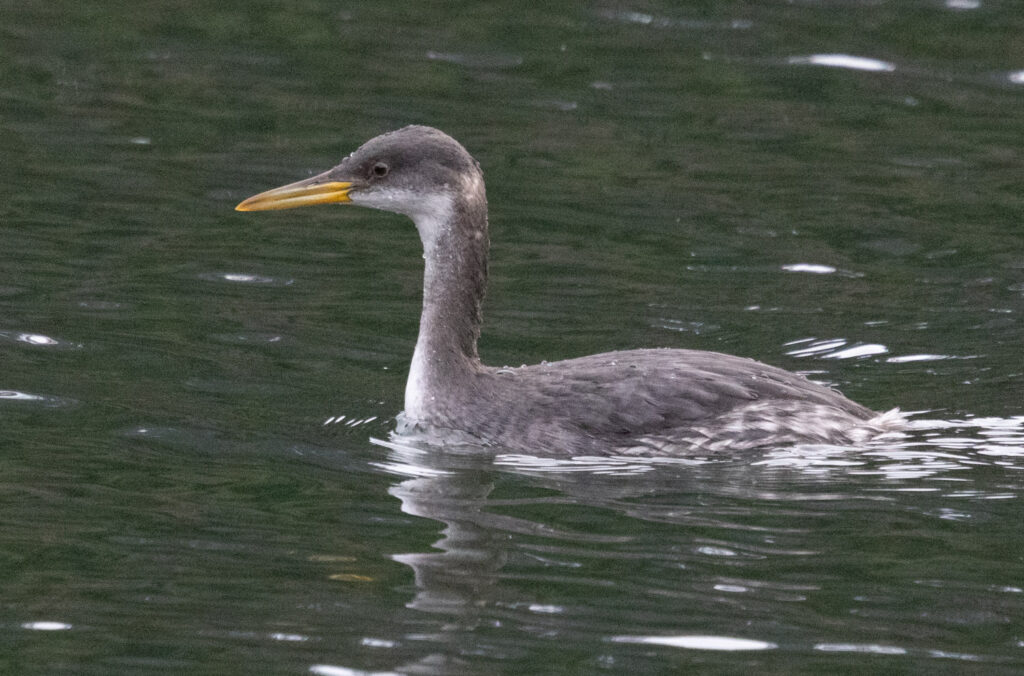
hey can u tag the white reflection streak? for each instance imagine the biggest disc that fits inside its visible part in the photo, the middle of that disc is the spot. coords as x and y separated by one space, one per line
858 351
610 465
46 626
19 396
698 642
37 339
860 648
903 359
332 670
813 268
818 346
844 61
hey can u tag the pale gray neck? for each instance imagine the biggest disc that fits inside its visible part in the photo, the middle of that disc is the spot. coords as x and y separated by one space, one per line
454 280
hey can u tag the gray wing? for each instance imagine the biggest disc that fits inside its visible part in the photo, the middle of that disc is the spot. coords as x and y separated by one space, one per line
641 392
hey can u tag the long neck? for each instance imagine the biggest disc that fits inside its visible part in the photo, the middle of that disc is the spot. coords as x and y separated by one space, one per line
455 247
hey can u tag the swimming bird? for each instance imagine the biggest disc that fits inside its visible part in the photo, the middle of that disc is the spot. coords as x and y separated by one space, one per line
647 401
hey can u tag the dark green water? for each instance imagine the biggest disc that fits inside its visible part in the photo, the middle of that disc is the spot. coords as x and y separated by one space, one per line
189 394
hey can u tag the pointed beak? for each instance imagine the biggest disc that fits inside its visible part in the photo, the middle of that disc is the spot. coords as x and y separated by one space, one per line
319 189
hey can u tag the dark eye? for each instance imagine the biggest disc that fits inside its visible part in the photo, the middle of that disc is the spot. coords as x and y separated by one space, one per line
380 170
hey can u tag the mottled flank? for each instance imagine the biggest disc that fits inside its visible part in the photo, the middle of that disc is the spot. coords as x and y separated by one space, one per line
773 423
641 401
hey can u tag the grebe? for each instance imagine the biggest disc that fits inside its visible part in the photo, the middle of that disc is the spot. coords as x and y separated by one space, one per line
652 401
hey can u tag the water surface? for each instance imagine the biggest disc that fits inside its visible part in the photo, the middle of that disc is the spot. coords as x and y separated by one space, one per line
195 404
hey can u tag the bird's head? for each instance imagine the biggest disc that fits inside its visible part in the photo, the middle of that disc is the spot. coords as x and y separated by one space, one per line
416 171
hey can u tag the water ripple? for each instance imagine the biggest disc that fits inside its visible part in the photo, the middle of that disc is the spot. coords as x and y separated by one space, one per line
656 21
830 349
349 422
244 278
609 465
477 60
251 338
872 648
42 399
929 449
932 448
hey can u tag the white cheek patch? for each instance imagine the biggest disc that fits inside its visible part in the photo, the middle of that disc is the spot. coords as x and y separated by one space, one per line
431 212
386 199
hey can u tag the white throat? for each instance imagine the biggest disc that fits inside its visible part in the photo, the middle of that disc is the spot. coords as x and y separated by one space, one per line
432 222
433 214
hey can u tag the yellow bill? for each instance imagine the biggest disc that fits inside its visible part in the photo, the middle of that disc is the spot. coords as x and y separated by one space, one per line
315 190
